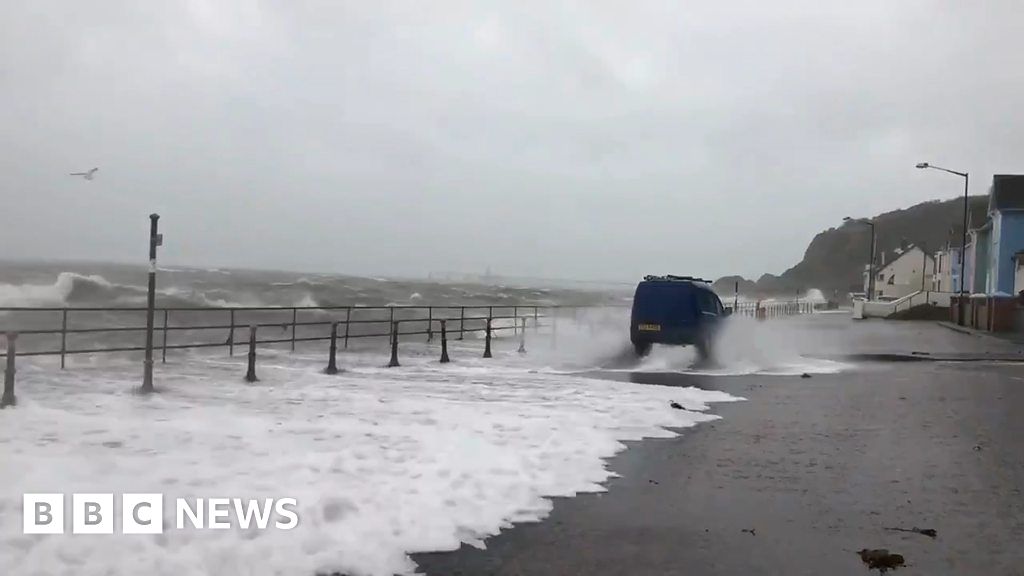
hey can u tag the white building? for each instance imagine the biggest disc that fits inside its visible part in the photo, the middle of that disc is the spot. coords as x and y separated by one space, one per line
903 272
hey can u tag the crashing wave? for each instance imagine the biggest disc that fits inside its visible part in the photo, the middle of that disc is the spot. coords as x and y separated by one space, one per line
306 301
69 288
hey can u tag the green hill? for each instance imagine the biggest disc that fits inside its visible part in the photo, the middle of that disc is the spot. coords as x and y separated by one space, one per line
835 258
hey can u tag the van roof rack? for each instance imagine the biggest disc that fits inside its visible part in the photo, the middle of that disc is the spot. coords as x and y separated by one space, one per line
673 278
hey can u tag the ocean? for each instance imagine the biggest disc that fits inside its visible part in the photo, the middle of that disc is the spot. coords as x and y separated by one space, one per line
121 285
204 293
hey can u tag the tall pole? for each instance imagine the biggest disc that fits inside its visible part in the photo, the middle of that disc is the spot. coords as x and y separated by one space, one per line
154 239
924 266
871 263
963 240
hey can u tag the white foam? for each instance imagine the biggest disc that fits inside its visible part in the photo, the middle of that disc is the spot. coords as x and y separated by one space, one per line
307 301
383 463
597 339
55 294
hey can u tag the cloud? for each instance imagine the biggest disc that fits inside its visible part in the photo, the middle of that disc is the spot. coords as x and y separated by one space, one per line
583 139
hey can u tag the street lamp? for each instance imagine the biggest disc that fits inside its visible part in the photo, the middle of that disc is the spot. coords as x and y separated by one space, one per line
963 244
871 257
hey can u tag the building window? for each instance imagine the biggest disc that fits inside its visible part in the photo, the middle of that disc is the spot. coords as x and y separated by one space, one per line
891 279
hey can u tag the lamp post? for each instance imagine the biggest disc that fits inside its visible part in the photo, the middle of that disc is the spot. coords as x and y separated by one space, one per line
963 240
871 256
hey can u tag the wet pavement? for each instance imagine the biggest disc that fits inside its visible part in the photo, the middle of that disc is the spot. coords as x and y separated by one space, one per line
803 475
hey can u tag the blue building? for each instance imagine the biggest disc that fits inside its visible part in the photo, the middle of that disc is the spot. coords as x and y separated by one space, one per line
991 253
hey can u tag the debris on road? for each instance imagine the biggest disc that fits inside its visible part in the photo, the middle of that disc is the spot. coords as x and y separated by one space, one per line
676 405
749 531
805 375
930 532
880 559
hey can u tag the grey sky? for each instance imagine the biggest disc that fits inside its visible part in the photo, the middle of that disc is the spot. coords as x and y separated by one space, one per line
564 139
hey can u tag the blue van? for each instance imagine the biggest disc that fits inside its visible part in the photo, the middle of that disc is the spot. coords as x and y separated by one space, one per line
678 310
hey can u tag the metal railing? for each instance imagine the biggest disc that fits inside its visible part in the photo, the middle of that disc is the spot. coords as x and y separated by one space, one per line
299 324
772 309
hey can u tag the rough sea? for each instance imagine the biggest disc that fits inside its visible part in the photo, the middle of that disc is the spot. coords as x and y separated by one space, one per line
83 285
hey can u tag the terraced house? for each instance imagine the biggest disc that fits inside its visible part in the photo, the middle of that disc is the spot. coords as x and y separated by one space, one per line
995 248
909 269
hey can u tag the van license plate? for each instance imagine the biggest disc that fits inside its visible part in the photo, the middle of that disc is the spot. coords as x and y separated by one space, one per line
650 327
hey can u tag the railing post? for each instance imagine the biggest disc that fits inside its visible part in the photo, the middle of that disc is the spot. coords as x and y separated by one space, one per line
63 336
444 342
348 317
462 322
487 340
332 366
163 341
231 336
522 338
554 326
536 320
515 320
8 397
250 374
394 344
295 313
147 363
430 323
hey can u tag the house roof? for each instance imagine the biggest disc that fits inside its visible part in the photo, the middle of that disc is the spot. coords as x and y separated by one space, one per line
892 256
1007 193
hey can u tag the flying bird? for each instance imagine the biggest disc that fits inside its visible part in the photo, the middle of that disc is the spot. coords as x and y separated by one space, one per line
87 175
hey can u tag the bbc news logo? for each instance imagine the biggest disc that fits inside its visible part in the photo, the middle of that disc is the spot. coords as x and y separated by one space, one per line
144 513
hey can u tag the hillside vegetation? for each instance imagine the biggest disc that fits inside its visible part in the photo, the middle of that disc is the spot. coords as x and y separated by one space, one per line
835 258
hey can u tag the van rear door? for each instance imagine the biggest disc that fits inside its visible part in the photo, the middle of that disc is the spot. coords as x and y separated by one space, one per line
660 306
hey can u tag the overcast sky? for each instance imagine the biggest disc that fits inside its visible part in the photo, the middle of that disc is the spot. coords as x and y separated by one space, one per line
598 140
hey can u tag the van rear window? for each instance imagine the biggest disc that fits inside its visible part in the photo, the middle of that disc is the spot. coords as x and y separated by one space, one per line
664 302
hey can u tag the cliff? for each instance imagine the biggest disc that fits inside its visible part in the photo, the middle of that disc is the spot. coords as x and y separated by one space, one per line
835 258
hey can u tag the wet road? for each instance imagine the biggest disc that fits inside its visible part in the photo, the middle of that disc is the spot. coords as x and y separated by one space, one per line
817 468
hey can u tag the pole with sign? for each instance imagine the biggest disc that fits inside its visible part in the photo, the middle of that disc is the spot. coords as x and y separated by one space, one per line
155 240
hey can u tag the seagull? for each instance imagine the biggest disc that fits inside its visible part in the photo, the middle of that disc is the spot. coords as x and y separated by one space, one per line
87 175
